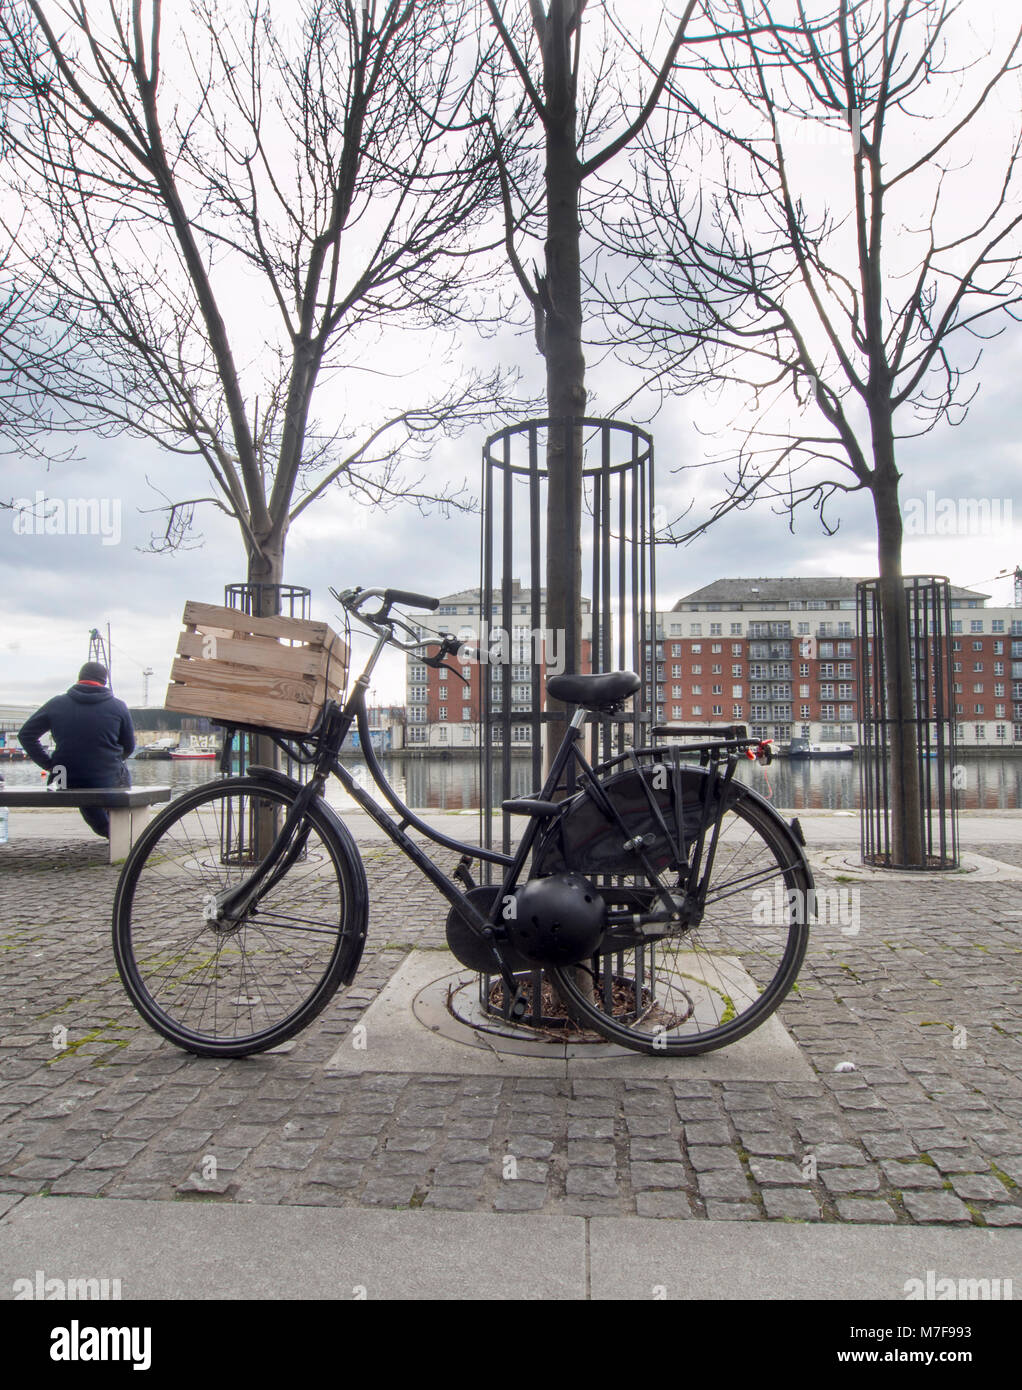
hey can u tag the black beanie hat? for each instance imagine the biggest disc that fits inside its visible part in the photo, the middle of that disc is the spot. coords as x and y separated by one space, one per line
93 671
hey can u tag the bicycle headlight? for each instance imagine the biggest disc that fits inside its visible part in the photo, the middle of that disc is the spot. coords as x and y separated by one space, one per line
558 920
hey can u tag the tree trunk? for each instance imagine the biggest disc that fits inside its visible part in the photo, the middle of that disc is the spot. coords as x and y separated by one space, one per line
265 568
906 810
565 363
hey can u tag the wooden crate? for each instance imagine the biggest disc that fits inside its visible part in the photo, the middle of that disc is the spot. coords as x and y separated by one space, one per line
268 672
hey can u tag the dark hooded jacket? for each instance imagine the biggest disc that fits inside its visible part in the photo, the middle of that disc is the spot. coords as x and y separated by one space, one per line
92 733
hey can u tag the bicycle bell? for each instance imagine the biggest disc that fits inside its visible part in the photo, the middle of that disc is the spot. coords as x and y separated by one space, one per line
559 920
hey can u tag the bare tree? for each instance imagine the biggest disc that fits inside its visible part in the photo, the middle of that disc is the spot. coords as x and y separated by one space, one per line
223 216
586 119
855 289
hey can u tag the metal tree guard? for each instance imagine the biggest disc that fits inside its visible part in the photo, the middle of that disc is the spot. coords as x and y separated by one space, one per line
619 572
932 722
240 842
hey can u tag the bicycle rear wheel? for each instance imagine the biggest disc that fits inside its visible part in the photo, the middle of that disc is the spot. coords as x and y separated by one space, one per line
227 989
691 993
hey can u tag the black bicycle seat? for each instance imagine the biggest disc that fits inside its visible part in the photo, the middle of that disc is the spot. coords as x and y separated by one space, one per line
594 692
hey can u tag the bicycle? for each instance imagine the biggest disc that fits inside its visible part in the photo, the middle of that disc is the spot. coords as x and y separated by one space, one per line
668 902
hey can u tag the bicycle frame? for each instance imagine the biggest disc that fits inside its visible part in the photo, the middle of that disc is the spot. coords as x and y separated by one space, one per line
679 910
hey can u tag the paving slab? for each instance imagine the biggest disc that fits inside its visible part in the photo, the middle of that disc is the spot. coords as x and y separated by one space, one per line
638 1258
209 1250
212 1251
409 1030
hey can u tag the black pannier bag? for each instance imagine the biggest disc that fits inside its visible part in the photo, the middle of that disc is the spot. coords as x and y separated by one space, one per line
587 841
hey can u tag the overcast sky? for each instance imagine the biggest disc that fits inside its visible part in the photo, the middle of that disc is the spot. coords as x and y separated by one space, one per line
57 587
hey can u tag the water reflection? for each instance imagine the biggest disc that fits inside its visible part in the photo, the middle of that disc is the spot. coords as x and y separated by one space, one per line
453 784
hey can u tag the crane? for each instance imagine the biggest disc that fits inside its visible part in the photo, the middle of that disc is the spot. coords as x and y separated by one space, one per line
100 651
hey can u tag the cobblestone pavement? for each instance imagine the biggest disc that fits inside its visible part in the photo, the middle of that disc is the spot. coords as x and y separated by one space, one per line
923 998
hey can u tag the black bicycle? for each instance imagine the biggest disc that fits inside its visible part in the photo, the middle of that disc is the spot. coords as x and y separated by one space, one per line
668 902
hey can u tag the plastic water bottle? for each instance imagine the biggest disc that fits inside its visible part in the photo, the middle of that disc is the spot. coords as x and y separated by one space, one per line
3 817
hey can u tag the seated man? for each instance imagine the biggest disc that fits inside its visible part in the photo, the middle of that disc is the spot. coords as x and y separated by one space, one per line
93 734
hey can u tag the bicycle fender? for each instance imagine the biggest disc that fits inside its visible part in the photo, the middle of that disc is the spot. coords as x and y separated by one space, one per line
347 849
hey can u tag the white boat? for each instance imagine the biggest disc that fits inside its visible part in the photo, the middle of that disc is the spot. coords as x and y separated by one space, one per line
821 750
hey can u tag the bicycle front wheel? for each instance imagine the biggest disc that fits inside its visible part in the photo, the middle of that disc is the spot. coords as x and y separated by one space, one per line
229 988
691 993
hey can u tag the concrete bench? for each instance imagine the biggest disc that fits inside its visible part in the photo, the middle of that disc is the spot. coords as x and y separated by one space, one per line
129 807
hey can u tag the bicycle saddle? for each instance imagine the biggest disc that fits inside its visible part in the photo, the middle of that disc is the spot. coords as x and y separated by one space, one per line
594 692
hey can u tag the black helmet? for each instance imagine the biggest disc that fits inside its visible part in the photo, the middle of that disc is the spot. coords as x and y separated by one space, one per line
558 920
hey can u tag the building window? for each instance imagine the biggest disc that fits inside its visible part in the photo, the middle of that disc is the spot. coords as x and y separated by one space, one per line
736 631
736 692
442 712
980 731
715 630
1001 731
697 690
675 711
442 734
697 646
697 670
697 709
675 671
717 709
976 625
736 712
695 629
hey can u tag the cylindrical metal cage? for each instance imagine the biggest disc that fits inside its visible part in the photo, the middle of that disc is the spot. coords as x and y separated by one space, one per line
618 617
924 774
243 843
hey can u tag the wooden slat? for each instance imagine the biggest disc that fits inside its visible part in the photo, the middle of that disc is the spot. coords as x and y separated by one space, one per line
259 652
230 707
297 629
218 675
